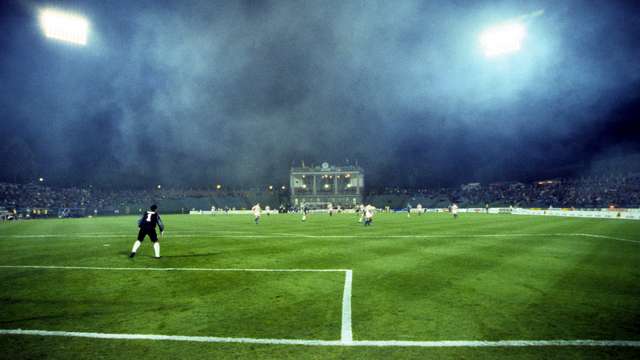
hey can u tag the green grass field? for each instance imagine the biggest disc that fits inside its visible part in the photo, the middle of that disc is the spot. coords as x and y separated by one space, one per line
419 279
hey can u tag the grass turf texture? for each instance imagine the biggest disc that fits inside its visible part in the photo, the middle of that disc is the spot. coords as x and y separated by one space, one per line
408 284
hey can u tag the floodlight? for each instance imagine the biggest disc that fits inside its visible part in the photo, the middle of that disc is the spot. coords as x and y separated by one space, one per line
64 26
503 39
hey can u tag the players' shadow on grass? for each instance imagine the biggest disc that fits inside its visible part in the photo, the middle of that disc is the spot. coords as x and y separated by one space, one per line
191 255
124 253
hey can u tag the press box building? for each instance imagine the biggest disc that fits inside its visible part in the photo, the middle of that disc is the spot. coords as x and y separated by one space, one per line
318 186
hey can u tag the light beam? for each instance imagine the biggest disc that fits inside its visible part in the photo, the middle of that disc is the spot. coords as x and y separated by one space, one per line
64 26
503 39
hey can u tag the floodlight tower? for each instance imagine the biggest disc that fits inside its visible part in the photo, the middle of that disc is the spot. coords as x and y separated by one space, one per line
507 37
64 26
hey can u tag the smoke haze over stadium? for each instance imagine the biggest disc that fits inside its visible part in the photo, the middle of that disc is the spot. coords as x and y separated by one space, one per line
194 93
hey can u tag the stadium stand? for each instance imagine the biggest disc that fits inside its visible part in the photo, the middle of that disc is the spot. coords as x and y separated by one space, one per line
37 200
588 192
33 199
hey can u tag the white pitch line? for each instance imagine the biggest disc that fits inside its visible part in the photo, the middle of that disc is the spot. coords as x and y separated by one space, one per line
249 235
372 343
412 236
101 236
35 236
346 335
169 337
435 236
607 237
498 343
163 269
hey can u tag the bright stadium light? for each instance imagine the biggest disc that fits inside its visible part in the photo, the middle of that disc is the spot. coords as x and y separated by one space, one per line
503 39
64 26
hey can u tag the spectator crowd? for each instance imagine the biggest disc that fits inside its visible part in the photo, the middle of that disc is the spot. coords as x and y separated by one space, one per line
28 197
589 192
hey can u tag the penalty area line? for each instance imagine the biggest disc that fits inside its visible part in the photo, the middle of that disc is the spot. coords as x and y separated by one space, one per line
162 269
346 335
371 343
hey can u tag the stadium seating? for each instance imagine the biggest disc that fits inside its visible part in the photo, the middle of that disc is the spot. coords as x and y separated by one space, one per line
588 192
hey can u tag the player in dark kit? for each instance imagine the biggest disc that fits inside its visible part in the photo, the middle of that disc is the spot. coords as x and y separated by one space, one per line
147 225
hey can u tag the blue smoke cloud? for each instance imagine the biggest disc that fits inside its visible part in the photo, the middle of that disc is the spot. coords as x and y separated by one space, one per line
202 92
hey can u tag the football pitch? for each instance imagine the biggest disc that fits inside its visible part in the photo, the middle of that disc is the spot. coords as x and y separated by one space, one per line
428 286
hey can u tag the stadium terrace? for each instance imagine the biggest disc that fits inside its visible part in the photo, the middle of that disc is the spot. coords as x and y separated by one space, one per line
37 200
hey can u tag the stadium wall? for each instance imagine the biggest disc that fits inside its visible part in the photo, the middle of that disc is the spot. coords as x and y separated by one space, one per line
628 214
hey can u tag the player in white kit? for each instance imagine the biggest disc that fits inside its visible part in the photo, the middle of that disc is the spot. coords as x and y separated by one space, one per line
256 212
368 214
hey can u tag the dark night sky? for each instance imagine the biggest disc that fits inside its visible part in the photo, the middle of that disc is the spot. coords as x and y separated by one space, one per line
194 93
